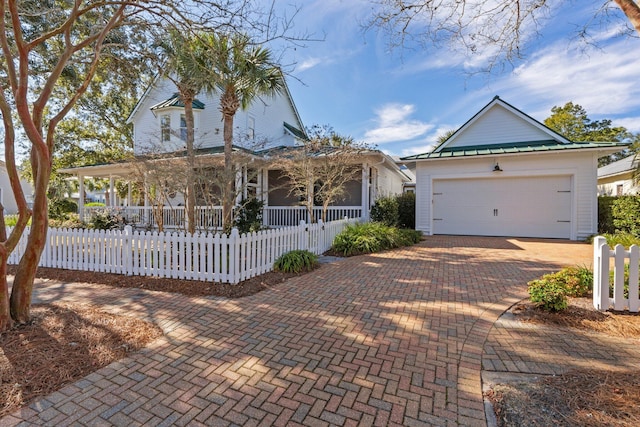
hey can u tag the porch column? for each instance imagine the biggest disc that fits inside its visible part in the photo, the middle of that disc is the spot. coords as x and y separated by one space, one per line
263 185
129 193
145 186
112 193
365 191
81 196
239 185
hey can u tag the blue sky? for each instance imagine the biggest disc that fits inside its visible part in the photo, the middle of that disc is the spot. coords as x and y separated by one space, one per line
402 100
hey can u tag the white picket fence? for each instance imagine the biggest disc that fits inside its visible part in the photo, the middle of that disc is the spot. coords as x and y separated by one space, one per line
205 256
602 266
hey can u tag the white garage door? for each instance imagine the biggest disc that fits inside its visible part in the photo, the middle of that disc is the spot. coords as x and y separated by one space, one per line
524 207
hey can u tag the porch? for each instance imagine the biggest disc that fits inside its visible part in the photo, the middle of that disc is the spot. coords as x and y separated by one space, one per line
209 218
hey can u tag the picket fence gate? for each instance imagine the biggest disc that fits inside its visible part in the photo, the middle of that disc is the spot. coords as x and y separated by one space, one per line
602 267
207 257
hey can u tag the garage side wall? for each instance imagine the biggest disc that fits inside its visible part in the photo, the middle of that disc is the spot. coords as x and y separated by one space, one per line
580 166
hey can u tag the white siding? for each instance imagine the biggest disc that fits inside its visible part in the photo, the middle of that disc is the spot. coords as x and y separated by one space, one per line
389 181
6 193
498 126
579 165
268 114
609 186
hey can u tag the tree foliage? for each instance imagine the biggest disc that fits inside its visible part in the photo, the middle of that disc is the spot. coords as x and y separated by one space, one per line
319 170
52 52
573 122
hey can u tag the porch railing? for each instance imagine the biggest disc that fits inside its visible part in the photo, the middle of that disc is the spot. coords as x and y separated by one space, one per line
210 217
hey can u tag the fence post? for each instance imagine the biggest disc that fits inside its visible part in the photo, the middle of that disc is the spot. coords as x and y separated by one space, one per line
303 239
600 273
234 256
634 259
126 250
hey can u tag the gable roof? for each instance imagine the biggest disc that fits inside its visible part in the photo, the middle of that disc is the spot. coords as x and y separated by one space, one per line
524 134
628 164
175 101
286 92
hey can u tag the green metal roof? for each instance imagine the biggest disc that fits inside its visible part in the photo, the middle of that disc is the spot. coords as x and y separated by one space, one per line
296 132
175 101
510 148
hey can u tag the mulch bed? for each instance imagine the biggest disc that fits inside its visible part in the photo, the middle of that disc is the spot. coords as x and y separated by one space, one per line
581 314
62 344
191 288
578 398
585 397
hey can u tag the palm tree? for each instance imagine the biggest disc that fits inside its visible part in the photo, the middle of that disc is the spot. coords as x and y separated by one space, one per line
185 63
242 72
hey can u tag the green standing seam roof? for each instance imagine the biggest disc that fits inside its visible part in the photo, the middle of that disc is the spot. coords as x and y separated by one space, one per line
295 131
510 148
175 101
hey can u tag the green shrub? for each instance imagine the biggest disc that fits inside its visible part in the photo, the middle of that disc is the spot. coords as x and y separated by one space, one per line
105 219
249 217
372 237
576 281
60 208
624 239
72 221
296 262
385 211
626 281
406 210
549 295
605 214
94 205
626 214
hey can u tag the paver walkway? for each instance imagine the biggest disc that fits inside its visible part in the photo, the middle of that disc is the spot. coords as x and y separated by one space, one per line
387 339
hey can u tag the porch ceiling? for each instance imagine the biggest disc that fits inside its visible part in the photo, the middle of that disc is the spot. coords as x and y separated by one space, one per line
120 170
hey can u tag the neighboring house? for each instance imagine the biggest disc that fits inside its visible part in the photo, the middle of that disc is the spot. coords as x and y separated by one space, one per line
617 178
269 123
504 173
6 194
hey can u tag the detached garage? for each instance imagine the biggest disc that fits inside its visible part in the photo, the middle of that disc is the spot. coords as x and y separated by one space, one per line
505 174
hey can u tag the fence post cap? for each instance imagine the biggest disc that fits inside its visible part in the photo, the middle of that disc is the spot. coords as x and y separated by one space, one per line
302 222
235 232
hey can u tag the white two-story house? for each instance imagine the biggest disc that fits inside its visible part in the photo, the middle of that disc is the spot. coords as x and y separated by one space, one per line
160 130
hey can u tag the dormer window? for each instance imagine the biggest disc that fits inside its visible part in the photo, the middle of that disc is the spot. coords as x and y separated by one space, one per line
165 127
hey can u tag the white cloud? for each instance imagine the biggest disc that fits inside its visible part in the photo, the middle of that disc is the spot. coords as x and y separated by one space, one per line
309 63
632 124
393 124
603 81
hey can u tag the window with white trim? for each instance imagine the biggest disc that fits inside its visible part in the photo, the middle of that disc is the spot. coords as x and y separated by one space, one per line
165 128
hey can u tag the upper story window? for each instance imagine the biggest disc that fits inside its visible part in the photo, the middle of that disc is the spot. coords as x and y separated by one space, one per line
165 127
183 127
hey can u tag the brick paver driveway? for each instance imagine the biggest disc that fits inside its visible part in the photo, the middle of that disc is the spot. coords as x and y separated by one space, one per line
391 338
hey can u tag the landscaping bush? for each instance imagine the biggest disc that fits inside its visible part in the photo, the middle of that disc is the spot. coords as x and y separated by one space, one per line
296 262
249 216
385 211
72 221
626 214
605 214
61 208
549 295
624 239
406 210
372 237
105 219
551 290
